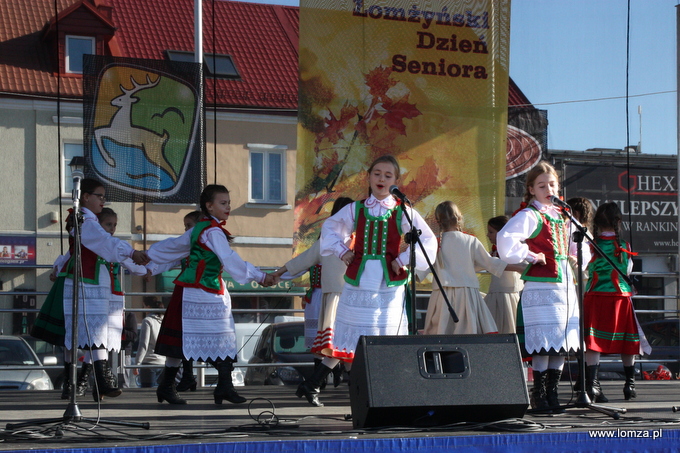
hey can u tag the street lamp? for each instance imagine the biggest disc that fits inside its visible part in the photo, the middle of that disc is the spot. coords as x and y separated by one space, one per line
77 166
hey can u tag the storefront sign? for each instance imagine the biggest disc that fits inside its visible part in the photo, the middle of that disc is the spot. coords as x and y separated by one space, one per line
647 197
17 251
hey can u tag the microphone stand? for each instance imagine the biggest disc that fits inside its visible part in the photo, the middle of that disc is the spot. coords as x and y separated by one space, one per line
72 413
582 398
411 238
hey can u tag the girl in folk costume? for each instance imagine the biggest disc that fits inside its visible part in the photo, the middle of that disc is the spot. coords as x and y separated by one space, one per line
548 311
460 255
609 320
372 299
326 282
325 279
503 295
49 326
108 219
207 325
100 309
582 210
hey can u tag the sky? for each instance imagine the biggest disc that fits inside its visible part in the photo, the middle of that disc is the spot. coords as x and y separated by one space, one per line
569 57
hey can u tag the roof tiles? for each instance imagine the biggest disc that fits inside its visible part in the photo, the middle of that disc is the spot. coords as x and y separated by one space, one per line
253 34
261 39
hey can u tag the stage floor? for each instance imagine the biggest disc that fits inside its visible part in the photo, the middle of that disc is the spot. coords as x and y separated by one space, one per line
275 414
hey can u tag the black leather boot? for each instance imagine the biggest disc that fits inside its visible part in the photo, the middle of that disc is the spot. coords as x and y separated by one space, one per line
337 374
166 389
311 387
225 387
596 385
629 386
317 362
593 387
188 381
551 391
66 387
83 379
539 400
105 382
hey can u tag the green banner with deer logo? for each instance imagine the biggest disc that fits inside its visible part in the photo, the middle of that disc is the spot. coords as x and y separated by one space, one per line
143 128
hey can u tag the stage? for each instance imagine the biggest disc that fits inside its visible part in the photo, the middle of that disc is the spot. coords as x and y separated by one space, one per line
274 420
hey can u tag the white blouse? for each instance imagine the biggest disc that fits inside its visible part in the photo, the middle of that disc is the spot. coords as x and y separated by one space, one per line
100 241
510 241
173 249
337 229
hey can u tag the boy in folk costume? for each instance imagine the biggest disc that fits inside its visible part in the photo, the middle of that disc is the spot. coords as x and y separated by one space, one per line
207 325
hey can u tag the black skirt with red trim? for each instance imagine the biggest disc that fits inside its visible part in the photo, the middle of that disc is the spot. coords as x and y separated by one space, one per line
169 341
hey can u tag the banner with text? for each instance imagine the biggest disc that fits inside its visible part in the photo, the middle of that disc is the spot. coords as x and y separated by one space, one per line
425 81
650 220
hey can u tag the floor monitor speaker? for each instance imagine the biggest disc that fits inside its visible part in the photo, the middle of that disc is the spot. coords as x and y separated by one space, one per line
433 380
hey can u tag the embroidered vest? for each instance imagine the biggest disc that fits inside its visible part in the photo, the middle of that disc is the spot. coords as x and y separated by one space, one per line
377 238
314 281
603 278
549 238
90 264
91 267
204 269
114 273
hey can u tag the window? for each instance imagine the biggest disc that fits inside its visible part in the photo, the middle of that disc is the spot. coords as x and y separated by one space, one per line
218 65
69 152
267 173
76 47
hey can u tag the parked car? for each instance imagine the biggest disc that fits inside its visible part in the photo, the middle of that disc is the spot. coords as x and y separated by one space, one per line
44 349
280 343
14 351
664 337
247 336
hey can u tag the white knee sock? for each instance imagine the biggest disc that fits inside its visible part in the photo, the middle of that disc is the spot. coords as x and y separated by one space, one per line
173 362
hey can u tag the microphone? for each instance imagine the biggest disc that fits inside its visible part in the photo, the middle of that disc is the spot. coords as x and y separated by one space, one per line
557 202
394 190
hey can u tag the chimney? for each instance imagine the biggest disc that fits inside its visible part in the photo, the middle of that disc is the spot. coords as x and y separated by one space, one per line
105 8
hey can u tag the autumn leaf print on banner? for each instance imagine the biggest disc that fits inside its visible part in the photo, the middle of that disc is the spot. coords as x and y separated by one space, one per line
350 139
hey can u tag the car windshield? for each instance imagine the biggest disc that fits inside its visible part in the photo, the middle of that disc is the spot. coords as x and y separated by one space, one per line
662 332
290 340
15 352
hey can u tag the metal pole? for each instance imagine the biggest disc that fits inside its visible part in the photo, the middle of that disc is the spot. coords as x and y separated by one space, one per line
198 31
677 106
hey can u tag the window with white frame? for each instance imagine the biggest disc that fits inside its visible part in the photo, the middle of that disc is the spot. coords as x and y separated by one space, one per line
267 173
70 151
76 47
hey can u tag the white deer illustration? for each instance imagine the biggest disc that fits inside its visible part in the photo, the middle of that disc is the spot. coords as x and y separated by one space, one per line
148 141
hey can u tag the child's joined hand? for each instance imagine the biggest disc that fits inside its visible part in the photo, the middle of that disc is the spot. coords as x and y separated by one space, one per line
348 257
540 258
270 280
396 267
279 272
140 257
